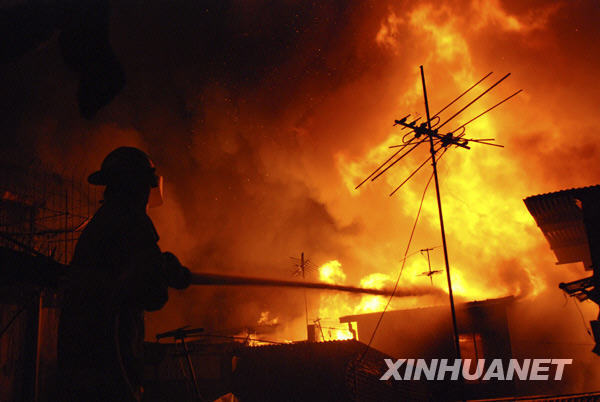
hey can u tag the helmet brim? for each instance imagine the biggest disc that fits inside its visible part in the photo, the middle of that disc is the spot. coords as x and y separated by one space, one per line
102 178
98 178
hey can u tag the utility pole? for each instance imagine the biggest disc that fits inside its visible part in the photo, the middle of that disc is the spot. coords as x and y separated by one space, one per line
302 268
429 132
433 151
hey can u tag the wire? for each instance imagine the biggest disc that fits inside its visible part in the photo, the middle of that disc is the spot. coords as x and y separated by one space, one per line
413 253
460 96
566 300
390 158
14 317
401 270
237 337
473 101
410 176
485 111
583 320
399 158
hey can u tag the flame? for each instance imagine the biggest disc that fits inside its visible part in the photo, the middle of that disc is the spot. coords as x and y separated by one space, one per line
482 204
484 214
264 319
278 174
333 306
369 304
331 272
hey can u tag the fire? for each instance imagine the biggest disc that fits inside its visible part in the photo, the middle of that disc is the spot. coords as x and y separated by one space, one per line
331 272
370 304
264 319
490 233
264 147
333 306
484 214
315 128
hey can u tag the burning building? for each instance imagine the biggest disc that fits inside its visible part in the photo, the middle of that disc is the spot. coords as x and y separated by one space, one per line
488 329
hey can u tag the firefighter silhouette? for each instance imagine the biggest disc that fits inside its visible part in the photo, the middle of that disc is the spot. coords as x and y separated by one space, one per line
117 272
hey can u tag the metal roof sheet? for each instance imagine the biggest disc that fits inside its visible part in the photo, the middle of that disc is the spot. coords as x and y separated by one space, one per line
560 218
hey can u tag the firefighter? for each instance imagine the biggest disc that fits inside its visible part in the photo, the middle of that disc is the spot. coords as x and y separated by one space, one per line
117 272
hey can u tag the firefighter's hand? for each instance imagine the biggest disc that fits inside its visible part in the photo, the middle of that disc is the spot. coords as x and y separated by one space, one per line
178 276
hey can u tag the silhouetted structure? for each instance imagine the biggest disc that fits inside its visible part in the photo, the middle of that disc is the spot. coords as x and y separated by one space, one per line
167 378
84 43
302 371
324 371
41 216
489 329
427 333
570 221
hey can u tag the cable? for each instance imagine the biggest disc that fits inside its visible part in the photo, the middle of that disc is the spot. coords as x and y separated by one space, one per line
583 320
566 300
401 270
404 145
460 96
485 111
240 338
473 101
14 317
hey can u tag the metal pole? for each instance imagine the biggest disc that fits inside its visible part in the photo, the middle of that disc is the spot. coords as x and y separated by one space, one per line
439 202
304 290
191 369
429 266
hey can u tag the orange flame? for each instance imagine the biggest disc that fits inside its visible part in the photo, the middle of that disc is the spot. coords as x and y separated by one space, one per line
333 306
486 222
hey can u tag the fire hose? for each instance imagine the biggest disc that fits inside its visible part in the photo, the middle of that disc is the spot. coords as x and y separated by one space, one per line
209 279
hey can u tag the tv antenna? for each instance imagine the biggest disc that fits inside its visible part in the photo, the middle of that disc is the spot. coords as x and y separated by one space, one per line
429 132
303 266
430 272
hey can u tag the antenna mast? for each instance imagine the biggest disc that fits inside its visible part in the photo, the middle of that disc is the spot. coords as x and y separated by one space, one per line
433 151
429 132
302 266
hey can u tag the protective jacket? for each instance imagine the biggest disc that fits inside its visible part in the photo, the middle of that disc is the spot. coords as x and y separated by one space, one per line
117 273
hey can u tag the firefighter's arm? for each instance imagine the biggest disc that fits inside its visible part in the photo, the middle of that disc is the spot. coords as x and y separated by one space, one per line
152 271
147 279
178 276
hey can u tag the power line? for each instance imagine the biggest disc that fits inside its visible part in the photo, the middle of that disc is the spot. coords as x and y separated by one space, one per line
401 270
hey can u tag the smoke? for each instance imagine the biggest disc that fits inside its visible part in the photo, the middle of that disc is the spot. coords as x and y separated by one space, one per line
263 117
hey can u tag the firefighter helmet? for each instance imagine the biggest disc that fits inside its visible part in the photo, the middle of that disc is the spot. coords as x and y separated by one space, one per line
125 164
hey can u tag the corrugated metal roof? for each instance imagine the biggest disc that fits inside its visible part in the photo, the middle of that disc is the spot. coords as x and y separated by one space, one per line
560 218
319 371
459 306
